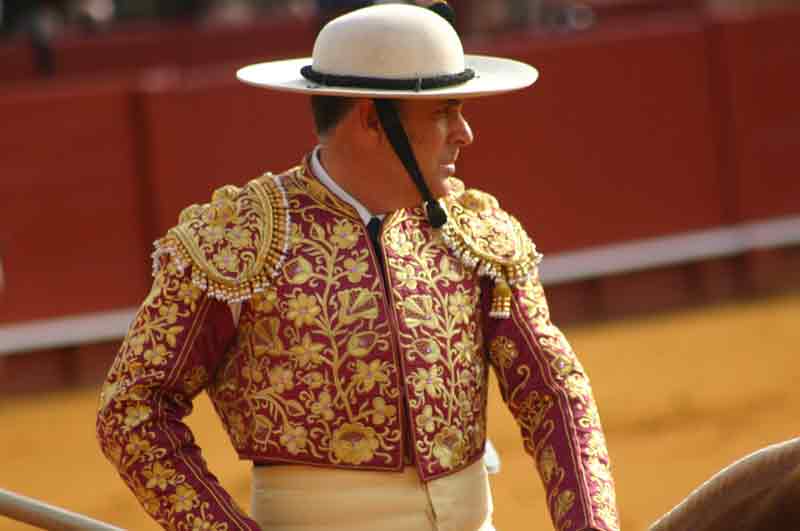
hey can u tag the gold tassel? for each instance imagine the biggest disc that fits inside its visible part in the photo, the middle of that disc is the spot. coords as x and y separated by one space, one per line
501 300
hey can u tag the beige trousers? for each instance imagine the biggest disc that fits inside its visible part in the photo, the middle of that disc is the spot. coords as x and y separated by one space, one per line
304 498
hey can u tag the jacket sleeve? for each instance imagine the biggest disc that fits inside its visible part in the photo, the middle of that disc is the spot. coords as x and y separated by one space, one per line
172 348
548 393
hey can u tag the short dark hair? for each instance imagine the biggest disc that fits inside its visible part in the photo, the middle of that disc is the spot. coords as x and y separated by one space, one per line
328 111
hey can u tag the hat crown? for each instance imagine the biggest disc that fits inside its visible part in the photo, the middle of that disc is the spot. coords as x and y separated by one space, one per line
389 41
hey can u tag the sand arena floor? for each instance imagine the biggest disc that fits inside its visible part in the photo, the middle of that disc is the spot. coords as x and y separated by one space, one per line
681 395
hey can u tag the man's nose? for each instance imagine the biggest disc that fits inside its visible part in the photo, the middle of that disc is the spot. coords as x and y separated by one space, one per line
462 135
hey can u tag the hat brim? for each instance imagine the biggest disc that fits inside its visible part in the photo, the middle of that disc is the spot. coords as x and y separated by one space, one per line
493 75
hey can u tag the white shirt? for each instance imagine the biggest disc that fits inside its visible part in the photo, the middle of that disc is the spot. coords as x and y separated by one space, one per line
328 182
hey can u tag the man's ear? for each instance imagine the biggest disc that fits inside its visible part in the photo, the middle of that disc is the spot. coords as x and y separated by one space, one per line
368 121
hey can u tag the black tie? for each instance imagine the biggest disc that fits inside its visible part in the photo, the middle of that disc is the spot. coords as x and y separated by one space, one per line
374 230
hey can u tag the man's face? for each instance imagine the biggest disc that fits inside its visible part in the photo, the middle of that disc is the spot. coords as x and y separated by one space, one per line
437 131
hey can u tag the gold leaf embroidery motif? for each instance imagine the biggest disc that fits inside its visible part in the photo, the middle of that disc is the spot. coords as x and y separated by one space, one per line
564 502
356 304
361 344
419 311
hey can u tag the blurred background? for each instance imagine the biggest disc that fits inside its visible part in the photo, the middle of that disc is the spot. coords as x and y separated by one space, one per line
653 163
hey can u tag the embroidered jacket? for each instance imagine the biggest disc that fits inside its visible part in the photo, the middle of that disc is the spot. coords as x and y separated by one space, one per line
272 299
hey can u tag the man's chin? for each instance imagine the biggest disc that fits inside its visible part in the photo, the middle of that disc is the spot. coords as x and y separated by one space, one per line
439 184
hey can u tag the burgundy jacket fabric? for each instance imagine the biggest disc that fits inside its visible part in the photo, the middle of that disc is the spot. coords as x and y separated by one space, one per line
331 361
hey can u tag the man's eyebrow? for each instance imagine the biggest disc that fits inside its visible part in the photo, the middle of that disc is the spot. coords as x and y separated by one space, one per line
449 104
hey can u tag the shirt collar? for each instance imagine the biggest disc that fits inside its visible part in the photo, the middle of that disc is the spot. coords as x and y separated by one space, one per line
328 182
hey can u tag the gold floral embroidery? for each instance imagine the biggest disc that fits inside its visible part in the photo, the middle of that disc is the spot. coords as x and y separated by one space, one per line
294 438
158 476
322 407
547 464
137 445
199 523
406 276
156 356
356 304
184 499
369 374
307 352
355 269
135 415
267 333
131 410
265 301
354 443
449 447
320 336
303 310
403 247
489 239
461 307
382 411
344 234
426 420
565 368
361 344
299 270
281 379
503 351
428 381
418 311
148 498
531 412
564 502
436 302
427 349
196 380
235 244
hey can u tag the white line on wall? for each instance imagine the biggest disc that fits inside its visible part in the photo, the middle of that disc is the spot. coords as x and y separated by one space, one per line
558 268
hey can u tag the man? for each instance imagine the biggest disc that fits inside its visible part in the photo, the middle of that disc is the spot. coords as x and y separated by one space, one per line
344 328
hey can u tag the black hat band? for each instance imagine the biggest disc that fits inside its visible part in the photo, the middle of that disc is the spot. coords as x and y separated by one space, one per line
379 83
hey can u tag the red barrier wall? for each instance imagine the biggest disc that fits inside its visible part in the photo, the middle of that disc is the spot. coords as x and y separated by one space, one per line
621 119
613 143
17 60
759 65
631 132
202 134
70 208
141 46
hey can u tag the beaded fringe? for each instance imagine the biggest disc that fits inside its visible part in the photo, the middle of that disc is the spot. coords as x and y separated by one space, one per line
504 275
233 291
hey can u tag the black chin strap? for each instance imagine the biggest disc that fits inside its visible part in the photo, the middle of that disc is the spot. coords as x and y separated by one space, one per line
390 121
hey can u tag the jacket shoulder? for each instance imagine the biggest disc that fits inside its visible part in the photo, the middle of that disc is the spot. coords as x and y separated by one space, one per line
485 236
234 244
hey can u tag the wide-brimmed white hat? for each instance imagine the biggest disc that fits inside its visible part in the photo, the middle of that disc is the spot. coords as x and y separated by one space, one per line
391 51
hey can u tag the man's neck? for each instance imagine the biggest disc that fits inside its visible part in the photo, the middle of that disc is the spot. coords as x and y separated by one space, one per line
370 184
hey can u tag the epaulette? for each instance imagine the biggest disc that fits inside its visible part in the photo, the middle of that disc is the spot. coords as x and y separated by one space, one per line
236 243
486 237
